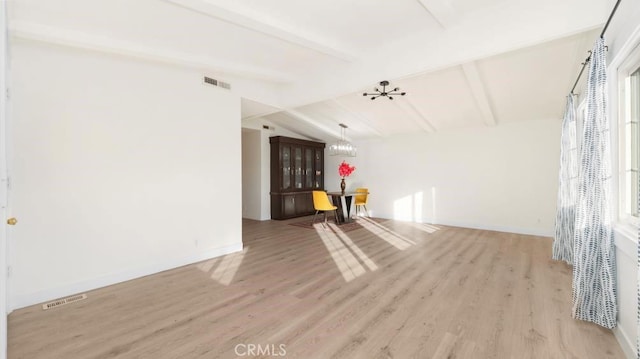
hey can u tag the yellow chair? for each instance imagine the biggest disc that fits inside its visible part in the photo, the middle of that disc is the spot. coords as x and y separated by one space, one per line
321 203
361 197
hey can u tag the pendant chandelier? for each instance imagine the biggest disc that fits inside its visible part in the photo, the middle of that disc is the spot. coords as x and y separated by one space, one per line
384 93
342 147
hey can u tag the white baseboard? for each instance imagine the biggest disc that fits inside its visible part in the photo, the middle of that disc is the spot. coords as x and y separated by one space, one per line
508 229
520 230
27 299
628 346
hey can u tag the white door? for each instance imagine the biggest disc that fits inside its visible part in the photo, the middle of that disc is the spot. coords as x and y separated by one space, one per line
3 181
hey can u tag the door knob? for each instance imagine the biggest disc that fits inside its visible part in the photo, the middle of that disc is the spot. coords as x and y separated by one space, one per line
12 221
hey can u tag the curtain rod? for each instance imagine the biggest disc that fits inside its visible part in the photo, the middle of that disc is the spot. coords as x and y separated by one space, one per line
606 25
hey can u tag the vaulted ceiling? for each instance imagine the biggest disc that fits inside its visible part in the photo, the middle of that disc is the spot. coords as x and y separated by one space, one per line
303 65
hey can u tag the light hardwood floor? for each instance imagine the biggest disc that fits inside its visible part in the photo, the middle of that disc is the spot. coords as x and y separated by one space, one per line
389 290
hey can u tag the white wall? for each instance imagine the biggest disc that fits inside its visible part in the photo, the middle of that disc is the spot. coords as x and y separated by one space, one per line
3 180
120 168
626 270
500 178
265 172
622 36
265 160
251 174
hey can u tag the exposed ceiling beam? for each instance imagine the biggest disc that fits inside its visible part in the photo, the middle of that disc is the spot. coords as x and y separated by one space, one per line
283 124
479 93
440 10
362 119
410 109
87 41
313 123
262 25
253 117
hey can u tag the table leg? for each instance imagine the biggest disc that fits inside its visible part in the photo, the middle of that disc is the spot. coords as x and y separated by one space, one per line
337 201
348 200
344 208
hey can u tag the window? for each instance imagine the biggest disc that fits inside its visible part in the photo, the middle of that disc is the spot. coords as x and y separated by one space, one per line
629 137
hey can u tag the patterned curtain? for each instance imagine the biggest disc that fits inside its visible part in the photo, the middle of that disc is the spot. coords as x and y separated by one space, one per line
565 211
594 292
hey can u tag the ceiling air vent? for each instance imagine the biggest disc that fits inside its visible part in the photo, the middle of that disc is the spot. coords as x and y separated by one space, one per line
214 82
63 301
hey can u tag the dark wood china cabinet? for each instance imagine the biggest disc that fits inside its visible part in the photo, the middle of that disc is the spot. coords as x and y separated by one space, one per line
297 168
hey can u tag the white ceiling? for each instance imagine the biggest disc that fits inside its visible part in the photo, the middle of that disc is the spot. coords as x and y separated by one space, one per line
303 65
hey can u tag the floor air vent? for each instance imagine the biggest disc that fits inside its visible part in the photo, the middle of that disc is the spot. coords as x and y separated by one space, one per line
63 301
214 82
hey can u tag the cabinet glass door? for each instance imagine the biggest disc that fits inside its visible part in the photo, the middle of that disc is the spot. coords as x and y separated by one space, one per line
308 171
318 166
286 167
297 166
